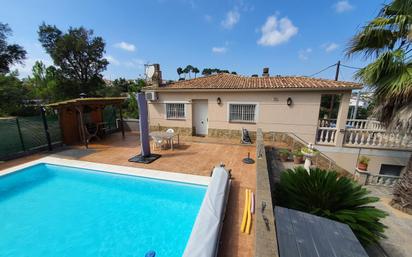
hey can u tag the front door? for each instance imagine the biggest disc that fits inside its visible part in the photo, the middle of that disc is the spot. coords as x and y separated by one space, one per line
200 116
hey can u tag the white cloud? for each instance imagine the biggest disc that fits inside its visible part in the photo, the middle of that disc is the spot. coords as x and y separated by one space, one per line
25 69
125 46
275 32
232 17
112 60
304 53
343 6
219 50
135 63
35 52
330 47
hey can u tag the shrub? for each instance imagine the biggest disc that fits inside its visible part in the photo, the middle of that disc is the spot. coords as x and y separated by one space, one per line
325 194
307 150
284 152
297 153
364 160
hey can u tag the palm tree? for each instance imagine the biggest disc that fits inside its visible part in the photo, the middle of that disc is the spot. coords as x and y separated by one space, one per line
195 71
387 40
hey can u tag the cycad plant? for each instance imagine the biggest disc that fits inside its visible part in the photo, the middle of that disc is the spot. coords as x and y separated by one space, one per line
325 193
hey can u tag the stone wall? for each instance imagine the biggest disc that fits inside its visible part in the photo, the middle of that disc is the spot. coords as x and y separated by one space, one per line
321 161
265 236
229 133
178 130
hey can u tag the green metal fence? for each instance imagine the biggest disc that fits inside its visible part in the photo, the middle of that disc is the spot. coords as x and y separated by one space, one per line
19 135
110 116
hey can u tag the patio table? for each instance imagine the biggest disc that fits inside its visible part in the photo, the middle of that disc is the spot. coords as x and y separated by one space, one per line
165 136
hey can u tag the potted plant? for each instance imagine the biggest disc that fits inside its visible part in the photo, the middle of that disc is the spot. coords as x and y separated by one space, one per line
284 154
309 152
363 162
297 156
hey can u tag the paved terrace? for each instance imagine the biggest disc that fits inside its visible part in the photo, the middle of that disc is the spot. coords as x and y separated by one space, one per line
194 156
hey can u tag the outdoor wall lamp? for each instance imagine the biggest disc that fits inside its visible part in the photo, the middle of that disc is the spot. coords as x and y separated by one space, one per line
289 102
219 101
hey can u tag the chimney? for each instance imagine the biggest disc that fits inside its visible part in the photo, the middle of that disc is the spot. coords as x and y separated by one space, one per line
157 76
265 72
153 75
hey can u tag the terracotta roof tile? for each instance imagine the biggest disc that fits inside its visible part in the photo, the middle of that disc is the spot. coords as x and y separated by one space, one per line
231 81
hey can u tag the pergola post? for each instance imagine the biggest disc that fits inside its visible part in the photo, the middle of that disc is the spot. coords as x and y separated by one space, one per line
121 120
82 132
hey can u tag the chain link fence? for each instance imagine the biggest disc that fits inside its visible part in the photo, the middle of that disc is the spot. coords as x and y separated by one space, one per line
22 135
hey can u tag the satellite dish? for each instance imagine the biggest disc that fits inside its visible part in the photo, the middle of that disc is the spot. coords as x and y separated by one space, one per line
150 71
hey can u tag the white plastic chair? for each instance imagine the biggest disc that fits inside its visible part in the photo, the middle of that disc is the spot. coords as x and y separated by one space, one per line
157 143
170 141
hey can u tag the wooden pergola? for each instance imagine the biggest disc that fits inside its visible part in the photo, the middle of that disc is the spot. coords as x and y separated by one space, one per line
72 116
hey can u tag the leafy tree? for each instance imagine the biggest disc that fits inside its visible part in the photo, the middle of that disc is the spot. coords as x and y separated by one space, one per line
78 56
12 94
387 40
210 71
132 109
44 83
206 72
9 53
325 194
188 70
123 84
195 71
179 71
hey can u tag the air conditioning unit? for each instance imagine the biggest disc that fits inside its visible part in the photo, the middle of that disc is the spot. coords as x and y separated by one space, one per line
151 96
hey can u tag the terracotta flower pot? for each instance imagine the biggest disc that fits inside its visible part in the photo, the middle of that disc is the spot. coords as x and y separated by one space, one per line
297 159
362 166
283 157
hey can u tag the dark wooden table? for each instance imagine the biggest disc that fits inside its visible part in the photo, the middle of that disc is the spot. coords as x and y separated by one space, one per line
301 234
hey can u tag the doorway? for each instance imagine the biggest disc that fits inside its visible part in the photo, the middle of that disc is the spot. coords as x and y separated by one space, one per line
200 119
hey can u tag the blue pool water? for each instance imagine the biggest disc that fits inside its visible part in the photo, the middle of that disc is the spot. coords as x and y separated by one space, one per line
49 210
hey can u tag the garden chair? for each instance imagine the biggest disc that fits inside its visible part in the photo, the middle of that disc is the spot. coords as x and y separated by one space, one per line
245 138
157 143
171 131
91 132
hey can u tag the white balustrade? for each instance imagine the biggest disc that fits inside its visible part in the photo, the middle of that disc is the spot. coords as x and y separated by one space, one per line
326 136
365 133
366 178
382 180
371 138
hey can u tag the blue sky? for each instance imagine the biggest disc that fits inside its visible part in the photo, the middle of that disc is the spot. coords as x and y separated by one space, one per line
291 37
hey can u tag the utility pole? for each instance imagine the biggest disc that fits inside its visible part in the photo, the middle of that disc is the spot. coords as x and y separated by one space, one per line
332 100
337 71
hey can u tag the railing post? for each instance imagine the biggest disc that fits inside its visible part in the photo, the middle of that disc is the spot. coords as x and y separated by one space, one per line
46 127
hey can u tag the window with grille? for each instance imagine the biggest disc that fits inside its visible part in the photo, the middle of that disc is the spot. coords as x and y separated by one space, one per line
242 112
175 111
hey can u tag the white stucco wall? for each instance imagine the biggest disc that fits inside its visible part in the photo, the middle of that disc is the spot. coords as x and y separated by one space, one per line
347 157
273 113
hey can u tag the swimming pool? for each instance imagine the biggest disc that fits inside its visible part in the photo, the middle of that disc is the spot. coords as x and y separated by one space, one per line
52 210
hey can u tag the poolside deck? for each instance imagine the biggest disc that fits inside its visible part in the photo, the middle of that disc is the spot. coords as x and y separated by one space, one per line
193 156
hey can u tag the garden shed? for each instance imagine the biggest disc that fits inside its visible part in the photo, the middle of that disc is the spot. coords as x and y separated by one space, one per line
83 119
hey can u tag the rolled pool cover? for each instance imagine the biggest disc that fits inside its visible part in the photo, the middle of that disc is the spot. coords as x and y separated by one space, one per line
204 239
